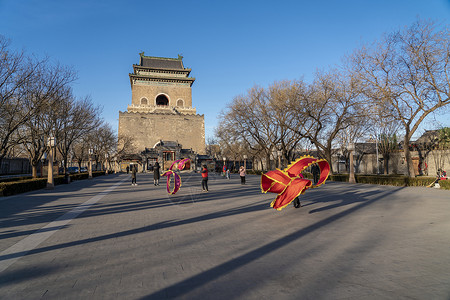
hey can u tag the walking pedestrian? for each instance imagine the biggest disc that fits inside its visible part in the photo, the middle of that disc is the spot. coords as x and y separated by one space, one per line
133 175
315 170
156 174
128 169
242 173
205 178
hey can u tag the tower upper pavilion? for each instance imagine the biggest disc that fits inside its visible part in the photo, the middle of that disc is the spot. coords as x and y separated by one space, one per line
161 85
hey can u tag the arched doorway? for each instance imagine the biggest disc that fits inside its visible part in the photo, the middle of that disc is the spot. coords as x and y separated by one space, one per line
162 100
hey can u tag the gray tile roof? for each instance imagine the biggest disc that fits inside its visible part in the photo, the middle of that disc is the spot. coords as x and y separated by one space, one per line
161 63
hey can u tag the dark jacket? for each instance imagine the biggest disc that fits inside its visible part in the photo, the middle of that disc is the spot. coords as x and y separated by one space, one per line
156 171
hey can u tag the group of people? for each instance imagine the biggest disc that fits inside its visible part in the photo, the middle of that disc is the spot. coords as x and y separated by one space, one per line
204 172
242 173
156 173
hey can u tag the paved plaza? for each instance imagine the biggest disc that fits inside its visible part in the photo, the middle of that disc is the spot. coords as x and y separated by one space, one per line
106 239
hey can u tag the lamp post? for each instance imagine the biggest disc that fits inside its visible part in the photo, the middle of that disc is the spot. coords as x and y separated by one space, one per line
50 145
245 161
91 151
115 165
351 178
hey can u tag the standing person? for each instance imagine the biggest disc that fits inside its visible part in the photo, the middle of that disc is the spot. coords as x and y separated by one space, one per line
205 178
156 174
133 175
242 174
128 169
228 173
315 170
224 170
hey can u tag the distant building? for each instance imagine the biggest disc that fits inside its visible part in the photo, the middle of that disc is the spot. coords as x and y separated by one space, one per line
161 108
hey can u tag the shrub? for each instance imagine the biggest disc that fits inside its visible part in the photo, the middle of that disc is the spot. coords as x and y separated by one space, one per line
394 180
10 179
255 172
26 185
17 187
445 184
338 177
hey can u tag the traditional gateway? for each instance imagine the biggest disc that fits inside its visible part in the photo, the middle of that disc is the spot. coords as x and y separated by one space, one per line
161 113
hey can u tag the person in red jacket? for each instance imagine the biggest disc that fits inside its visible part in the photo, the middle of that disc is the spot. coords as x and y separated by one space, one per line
205 178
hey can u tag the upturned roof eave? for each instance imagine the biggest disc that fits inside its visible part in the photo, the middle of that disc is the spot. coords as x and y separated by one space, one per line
188 70
190 79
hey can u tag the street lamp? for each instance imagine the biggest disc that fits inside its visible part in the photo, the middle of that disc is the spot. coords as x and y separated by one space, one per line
50 145
91 151
351 178
245 161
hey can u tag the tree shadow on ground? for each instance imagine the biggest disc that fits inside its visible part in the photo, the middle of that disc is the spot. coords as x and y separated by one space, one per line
156 226
190 284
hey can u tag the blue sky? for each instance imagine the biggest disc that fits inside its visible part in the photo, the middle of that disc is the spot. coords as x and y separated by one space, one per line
229 45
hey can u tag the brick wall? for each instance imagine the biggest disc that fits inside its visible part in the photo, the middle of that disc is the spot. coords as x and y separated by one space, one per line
147 129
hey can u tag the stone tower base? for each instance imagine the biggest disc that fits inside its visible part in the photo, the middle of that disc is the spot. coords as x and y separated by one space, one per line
147 129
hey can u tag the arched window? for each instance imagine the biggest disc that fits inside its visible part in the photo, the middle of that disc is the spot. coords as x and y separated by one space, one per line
162 100
180 103
144 101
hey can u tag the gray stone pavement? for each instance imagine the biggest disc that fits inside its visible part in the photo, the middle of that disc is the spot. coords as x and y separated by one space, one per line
112 240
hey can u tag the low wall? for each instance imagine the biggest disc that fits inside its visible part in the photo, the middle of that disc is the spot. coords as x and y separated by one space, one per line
11 166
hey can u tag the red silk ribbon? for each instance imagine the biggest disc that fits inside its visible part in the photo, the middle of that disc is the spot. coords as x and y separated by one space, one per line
179 164
289 183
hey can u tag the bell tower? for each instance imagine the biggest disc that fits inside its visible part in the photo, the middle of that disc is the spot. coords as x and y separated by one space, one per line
161 105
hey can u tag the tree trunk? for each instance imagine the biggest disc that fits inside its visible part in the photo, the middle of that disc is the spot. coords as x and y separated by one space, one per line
268 162
409 163
34 170
328 158
386 164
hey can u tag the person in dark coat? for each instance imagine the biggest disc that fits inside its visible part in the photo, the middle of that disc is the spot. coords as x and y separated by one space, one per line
156 174
315 170
133 175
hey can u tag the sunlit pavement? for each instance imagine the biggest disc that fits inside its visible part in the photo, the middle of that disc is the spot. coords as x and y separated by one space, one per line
107 239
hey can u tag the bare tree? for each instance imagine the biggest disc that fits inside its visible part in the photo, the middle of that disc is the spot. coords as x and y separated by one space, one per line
249 119
409 71
332 105
16 72
73 119
212 147
440 153
80 151
105 141
42 92
125 145
282 97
